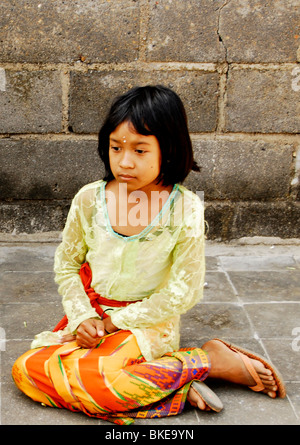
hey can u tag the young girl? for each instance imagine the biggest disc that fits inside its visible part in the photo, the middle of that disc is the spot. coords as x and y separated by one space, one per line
130 263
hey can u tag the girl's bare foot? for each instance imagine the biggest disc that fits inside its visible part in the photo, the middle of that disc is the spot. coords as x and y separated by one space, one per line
228 365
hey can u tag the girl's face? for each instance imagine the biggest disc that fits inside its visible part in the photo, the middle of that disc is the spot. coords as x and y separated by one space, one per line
134 159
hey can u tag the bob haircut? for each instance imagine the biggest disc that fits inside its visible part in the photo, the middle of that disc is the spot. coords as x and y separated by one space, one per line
158 111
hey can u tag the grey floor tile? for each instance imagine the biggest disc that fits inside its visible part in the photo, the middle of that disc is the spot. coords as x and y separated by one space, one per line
217 288
20 287
212 263
13 350
257 263
267 286
274 320
27 257
243 406
285 358
25 320
223 320
293 390
264 317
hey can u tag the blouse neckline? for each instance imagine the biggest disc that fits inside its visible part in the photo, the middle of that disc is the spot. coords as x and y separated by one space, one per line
147 229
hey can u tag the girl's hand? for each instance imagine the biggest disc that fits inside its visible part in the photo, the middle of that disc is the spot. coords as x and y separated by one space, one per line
89 332
67 338
109 326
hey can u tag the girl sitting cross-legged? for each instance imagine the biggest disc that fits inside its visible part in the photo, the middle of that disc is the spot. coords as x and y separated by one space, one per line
131 261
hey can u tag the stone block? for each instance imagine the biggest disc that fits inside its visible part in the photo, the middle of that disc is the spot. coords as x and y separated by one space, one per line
227 220
184 31
33 216
43 169
241 170
219 217
30 102
92 93
260 31
279 219
262 101
68 31
296 178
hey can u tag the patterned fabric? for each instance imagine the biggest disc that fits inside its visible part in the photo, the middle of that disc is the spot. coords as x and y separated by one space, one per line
112 381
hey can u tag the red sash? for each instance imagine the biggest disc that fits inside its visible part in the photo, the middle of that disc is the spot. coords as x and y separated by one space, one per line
95 299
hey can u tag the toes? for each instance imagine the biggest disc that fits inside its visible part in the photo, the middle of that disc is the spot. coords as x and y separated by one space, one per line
270 393
268 381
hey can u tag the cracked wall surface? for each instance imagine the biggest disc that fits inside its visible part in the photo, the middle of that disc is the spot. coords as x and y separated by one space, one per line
235 64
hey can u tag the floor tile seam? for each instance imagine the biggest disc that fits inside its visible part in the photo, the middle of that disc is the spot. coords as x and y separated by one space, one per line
231 284
261 340
221 260
242 302
30 339
195 415
273 302
248 317
292 406
254 254
262 270
282 337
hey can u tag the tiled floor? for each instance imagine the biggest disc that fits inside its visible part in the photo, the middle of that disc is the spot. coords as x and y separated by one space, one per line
252 298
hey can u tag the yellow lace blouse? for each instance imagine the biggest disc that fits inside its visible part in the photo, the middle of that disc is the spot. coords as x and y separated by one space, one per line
163 266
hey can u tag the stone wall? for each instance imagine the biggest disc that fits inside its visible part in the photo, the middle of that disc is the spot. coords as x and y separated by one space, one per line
234 63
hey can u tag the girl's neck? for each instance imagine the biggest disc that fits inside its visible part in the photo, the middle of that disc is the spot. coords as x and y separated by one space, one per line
130 212
125 192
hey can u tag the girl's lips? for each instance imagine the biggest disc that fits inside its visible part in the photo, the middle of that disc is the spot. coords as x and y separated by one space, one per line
126 177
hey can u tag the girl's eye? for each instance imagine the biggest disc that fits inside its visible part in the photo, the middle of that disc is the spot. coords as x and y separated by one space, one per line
140 151
115 148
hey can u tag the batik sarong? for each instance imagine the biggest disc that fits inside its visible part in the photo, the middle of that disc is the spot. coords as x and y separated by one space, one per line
111 381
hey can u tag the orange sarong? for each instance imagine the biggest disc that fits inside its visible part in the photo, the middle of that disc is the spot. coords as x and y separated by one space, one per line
112 381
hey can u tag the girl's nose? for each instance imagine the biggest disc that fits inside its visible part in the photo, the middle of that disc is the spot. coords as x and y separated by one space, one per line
126 160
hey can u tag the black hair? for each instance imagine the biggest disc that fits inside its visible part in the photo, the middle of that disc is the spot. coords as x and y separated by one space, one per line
158 111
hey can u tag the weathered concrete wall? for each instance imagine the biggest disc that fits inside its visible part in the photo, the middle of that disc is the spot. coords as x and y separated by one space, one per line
235 64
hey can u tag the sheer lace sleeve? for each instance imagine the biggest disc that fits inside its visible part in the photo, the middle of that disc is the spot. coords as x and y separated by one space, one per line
185 284
68 259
